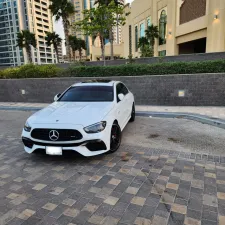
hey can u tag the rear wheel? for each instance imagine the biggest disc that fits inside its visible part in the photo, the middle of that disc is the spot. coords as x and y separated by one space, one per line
115 138
132 118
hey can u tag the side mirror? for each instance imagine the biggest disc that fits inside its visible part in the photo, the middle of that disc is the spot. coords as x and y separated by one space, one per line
121 97
57 97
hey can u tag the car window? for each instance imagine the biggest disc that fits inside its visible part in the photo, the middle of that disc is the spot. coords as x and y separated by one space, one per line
124 89
88 94
118 90
121 89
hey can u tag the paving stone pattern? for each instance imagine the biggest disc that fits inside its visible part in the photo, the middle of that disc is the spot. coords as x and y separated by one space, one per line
150 187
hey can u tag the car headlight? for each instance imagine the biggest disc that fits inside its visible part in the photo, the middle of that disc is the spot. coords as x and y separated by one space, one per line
95 128
27 127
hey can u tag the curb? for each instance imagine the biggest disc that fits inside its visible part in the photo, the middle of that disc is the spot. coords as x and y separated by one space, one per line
20 108
190 116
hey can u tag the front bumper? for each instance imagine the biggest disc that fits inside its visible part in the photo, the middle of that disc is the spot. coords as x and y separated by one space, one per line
87 148
89 145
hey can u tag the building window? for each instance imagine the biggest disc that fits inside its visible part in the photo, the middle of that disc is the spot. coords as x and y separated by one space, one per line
130 40
136 38
162 53
85 4
149 23
92 2
162 28
142 30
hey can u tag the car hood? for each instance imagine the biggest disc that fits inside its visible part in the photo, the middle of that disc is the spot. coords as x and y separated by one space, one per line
79 113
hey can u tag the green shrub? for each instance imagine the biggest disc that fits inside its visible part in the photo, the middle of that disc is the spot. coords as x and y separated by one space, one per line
134 69
30 71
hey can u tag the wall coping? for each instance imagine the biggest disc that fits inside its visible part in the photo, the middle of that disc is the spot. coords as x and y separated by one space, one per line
164 75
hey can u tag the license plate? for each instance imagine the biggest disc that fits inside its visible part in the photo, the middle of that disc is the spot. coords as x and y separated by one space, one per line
54 150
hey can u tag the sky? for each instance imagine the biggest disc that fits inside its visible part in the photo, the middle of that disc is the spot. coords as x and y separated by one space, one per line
129 1
58 28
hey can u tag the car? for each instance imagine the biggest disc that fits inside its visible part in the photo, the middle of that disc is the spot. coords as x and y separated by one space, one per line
88 118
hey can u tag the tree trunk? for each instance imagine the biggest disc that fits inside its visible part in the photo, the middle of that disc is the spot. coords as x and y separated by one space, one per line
111 44
103 52
153 45
57 53
74 56
66 31
29 57
80 53
103 49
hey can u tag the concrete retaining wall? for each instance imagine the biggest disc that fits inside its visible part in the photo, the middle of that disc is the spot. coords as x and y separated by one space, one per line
198 90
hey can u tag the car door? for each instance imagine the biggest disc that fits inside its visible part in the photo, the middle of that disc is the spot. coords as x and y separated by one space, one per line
127 102
121 109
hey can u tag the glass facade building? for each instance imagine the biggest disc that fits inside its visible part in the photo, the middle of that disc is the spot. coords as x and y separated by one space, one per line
18 15
10 54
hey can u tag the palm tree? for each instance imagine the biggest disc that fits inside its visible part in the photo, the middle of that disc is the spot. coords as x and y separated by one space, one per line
81 45
142 42
55 40
77 44
146 49
63 9
111 39
26 39
107 2
152 33
73 44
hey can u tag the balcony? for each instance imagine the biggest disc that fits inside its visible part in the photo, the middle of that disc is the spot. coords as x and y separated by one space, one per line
45 15
38 13
43 3
37 7
40 31
42 49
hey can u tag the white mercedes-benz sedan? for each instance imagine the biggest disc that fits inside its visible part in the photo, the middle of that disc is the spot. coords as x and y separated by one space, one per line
87 118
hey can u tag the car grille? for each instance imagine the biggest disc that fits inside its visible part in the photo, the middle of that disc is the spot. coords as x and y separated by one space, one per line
63 134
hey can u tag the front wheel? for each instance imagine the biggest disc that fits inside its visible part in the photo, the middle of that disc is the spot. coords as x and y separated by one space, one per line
132 118
115 138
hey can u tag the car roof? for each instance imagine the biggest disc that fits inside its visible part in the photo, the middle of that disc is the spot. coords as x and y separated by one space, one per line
96 83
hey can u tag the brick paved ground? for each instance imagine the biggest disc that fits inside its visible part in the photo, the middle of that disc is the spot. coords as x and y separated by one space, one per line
152 187
144 187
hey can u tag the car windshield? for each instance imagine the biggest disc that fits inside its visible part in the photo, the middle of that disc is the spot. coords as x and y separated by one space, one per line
88 94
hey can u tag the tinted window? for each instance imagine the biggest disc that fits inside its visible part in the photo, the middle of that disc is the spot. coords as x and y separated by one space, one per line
124 89
121 89
88 94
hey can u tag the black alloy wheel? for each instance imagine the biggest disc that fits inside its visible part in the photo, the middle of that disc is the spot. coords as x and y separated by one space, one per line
132 118
115 139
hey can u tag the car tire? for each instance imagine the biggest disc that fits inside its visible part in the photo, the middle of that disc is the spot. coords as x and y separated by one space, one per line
115 137
132 118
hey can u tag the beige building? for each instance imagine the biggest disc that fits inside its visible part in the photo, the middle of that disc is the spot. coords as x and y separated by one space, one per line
185 26
39 21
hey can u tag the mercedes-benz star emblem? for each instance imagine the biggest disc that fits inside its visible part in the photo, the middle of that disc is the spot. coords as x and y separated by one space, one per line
54 135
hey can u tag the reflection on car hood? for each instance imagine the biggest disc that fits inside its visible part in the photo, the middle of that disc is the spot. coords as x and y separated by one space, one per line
79 113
